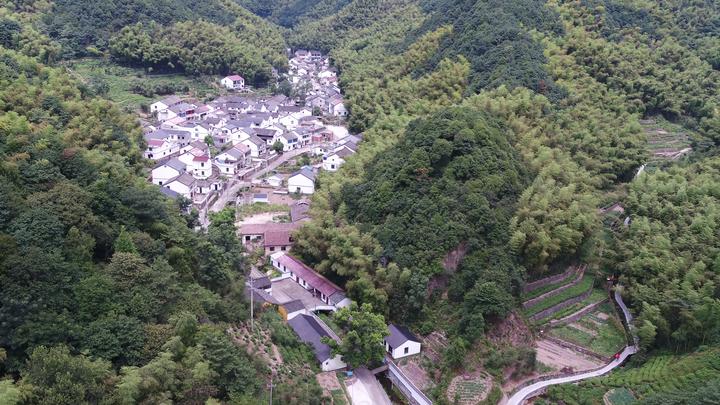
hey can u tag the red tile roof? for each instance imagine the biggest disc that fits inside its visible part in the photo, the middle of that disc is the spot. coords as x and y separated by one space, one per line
202 158
235 78
315 280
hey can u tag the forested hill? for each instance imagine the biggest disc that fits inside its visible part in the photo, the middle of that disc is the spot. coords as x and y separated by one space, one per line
159 34
107 294
435 233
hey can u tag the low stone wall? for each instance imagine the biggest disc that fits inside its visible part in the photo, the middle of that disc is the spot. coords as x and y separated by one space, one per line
578 278
577 315
577 348
549 280
557 307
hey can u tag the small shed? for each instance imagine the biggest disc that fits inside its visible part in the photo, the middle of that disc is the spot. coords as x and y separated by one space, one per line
260 198
275 180
401 342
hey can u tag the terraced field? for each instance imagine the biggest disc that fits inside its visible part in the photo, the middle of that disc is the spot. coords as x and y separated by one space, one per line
597 295
574 291
599 331
661 374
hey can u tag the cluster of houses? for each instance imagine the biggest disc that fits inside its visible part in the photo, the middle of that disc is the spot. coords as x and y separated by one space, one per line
311 71
312 291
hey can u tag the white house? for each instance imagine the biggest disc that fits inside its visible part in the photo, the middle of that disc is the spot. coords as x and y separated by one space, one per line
337 108
230 161
257 146
201 167
311 332
234 82
275 180
183 185
302 181
401 342
164 104
289 141
333 160
166 171
160 148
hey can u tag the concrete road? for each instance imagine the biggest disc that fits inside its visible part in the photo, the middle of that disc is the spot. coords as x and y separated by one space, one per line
366 389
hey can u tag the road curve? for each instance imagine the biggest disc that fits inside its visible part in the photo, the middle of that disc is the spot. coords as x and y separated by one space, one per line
524 393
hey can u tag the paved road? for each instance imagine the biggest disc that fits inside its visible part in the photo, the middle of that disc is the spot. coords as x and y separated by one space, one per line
366 389
526 392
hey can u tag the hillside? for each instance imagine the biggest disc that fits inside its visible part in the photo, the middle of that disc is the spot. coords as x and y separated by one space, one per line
107 294
493 132
158 34
568 83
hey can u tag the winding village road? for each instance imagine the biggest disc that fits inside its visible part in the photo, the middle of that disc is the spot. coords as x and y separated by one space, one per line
229 193
526 392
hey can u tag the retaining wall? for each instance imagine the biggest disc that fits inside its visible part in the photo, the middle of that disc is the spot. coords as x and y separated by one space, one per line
557 307
577 348
577 315
578 278
549 280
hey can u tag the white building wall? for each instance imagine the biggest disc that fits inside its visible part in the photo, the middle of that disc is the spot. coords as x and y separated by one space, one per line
301 183
332 364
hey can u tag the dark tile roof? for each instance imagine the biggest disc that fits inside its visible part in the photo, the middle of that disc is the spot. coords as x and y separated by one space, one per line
314 279
294 306
309 331
399 335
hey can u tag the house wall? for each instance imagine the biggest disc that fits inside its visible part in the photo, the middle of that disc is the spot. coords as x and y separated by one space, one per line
399 352
179 188
332 364
305 185
162 174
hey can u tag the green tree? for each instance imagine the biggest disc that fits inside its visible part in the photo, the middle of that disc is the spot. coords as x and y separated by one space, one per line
364 331
124 243
278 147
59 378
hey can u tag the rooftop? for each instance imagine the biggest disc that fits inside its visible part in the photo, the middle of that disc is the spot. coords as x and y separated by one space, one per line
399 335
309 331
315 280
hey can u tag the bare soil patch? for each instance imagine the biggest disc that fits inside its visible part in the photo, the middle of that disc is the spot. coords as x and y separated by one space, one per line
511 331
559 357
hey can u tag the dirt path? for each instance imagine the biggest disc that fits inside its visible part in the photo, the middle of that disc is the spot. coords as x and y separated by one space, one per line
558 357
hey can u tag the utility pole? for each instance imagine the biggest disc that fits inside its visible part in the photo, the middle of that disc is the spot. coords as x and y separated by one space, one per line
271 385
252 306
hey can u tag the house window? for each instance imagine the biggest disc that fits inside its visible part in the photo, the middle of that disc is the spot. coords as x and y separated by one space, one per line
227 169
407 350
159 183
247 237
272 248
282 248
332 166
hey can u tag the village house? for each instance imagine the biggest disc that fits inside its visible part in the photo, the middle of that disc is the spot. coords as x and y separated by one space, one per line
230 161
234 82
164 104
309 330
184 185
302 181
319 286
274 180
332 161
401 342
273 236
169 170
